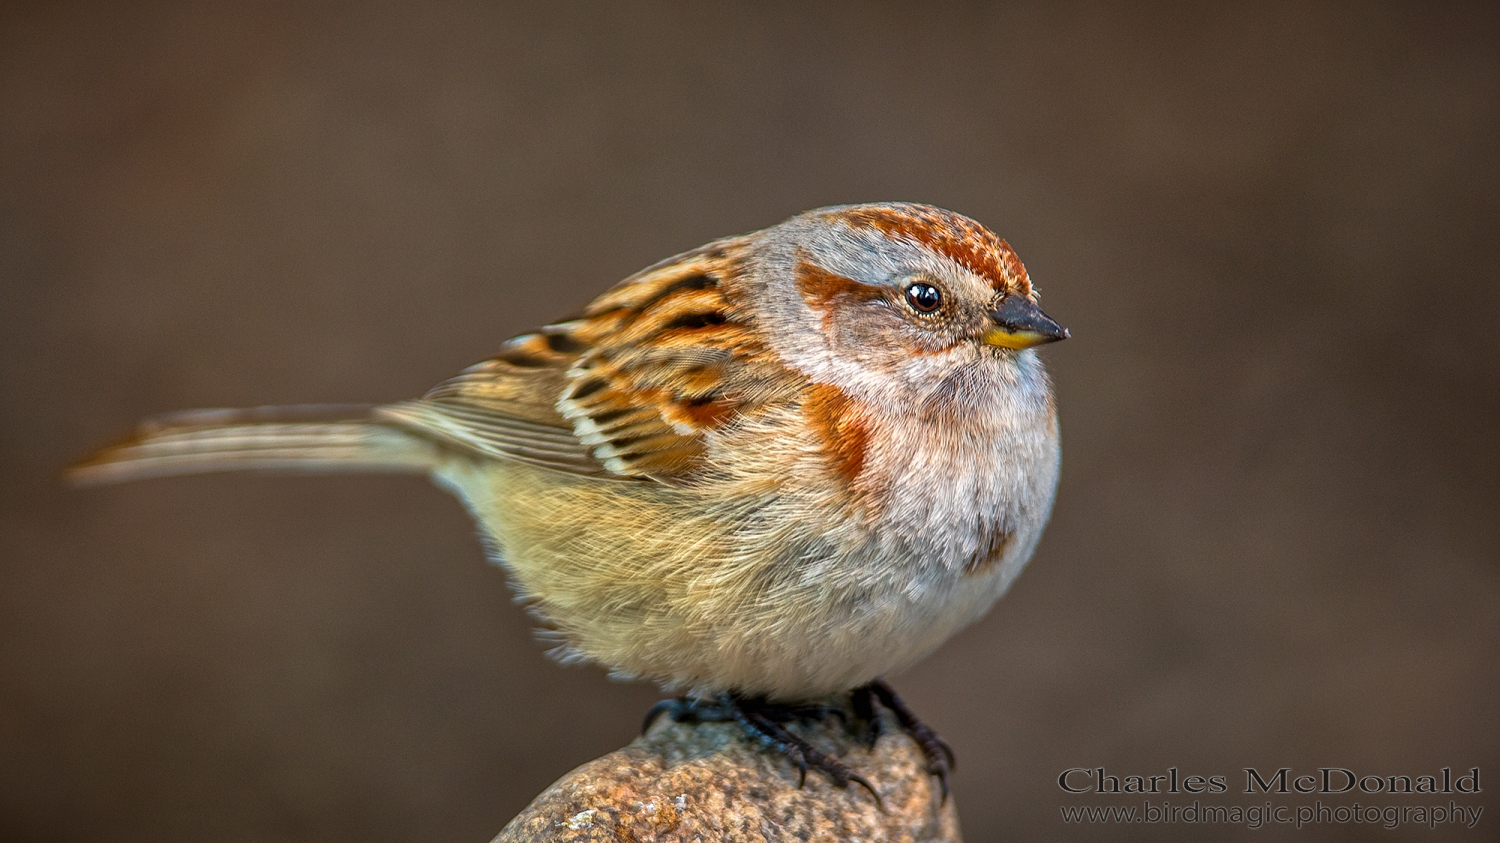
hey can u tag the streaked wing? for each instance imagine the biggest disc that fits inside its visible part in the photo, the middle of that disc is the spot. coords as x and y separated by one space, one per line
626 390
504 407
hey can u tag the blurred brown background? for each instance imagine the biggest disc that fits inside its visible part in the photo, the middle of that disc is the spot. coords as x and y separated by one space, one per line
1272 230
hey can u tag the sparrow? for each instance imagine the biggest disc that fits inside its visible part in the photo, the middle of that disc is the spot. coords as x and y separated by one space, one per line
764 472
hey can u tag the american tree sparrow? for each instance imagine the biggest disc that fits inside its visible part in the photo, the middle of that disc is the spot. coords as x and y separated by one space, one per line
761 473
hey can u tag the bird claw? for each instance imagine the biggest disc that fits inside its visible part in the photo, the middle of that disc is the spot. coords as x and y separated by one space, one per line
939 756
762 720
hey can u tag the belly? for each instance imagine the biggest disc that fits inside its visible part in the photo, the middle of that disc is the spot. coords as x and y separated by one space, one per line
764 595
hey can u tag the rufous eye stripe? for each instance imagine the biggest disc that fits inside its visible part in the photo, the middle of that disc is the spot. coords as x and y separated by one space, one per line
821 288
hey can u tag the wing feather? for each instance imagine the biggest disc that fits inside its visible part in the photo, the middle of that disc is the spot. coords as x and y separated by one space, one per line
626 390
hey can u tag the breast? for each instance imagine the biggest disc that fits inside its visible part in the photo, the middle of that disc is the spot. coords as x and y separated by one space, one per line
964 476
912 524
830 545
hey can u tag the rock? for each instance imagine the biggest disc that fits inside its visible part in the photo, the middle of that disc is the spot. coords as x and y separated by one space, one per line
708 782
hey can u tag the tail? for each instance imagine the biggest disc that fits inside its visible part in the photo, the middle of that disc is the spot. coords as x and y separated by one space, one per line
304 438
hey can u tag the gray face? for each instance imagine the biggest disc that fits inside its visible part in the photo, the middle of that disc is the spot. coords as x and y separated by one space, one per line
902 302
900 295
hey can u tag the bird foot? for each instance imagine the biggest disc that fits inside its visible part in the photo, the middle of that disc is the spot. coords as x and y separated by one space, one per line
935 750
762 720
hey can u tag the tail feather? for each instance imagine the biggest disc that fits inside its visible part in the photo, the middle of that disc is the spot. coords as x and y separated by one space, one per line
304 438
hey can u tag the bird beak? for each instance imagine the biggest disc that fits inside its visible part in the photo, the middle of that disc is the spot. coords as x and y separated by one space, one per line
1021 324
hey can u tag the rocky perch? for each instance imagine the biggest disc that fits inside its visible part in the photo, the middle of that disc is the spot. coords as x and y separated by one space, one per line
708 782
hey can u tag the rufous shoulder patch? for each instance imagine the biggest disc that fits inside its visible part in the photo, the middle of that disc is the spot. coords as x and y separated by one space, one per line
840 428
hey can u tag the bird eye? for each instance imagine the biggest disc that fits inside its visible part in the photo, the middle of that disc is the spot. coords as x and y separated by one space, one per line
924 297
